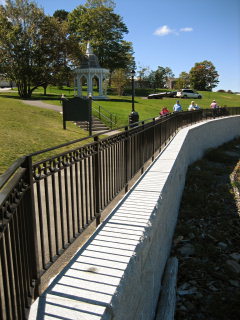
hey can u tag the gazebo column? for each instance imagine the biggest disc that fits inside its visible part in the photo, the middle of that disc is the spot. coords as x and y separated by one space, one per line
79 86
100 79
89 84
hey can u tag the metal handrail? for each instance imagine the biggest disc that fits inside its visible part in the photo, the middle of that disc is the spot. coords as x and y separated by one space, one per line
11 170
69 190
111 115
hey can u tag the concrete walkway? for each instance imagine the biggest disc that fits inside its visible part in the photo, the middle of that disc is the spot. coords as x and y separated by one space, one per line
117 273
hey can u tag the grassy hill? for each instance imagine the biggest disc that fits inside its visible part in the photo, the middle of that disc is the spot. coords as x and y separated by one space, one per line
25 129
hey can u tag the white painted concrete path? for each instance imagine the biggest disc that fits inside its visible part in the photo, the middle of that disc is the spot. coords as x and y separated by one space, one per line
117 274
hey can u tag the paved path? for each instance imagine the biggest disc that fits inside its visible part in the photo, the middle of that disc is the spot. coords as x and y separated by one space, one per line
40 104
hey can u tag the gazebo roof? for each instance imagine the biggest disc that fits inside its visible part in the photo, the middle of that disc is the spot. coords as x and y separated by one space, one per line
90 59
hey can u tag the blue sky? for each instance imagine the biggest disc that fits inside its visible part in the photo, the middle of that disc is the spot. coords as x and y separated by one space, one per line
177 34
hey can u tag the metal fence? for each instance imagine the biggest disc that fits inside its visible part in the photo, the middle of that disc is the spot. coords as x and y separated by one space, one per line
45 206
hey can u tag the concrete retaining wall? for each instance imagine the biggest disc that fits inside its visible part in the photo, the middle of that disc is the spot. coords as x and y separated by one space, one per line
117 274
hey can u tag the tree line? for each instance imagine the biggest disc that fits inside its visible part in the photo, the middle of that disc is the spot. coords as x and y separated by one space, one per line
202 76
38 49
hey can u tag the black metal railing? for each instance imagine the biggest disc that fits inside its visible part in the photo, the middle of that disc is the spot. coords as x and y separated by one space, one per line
109 118
45 206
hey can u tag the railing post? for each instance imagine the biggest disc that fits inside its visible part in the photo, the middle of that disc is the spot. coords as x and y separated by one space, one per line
153 140
126 156
142 155
90 114
32 226
97 181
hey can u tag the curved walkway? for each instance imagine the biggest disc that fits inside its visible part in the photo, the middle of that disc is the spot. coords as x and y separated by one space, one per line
40 104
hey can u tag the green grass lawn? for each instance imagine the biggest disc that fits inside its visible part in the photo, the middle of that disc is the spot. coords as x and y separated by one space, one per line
25 129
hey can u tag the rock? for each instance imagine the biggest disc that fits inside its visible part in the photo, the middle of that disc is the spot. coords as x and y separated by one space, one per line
235 256
183 286
222 245
233 266
187 292
182 308
213 288
198 295
177 240
189 305
187 250
191 235
235 283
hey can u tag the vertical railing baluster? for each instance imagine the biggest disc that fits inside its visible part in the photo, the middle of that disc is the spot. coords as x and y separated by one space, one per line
67 205
55 214
60 190
48 217
126 158
83 208
6 288
32 227
77 194
72 200
96 174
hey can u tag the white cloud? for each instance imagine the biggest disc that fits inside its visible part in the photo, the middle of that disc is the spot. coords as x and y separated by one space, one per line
186 29
2 1
163 31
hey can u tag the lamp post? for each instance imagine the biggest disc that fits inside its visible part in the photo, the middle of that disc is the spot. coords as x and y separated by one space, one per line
133 89
133 117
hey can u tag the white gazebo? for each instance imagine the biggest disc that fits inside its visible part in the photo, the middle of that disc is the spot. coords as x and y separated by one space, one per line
88 71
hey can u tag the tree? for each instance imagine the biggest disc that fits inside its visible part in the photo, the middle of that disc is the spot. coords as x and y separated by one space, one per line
203 76
100 3
183 80
143 73
160 77
120 79
61 15
29 53
105 30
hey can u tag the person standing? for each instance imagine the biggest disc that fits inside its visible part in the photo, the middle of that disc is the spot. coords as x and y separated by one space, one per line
177 107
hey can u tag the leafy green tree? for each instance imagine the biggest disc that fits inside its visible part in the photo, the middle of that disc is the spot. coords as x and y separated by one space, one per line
61 15
100 3
32 45
143 80
203 76
120 79
105 30
160 77
183 80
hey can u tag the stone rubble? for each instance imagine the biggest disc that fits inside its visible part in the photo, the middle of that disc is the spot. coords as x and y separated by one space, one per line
207 238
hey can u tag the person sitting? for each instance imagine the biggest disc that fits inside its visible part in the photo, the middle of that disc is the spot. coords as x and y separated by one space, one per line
177 107
213 105
191 106
164 111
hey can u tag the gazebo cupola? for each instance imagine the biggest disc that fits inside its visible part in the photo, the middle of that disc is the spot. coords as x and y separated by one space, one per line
88 70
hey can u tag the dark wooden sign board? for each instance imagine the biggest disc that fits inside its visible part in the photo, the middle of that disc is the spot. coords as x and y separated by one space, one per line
77 109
